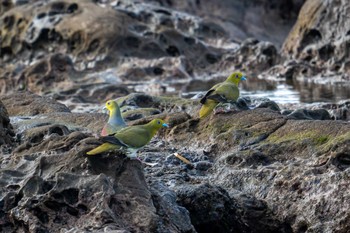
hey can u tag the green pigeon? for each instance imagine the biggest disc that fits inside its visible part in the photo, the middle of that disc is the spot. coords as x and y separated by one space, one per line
115 120
221 93
130 138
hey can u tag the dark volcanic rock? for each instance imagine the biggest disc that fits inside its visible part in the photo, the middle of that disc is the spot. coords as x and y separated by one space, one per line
243 19
318 43
165 202
278 161
211 209
52 186
339 111
318 114
250 170
46 49
6 131
29 104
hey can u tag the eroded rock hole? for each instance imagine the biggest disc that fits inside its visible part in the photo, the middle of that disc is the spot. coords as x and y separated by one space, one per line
71 195
41 15
161 11
47 186
302 228
93 46
211 58
72 8
20 20
56 130
342 160
269 51
326 52
53 205
5 50
83 208
72 211
158 71
44 34
75 41
6 3
57 8
173 51
41 215
9 21
37 138
189 40
310 37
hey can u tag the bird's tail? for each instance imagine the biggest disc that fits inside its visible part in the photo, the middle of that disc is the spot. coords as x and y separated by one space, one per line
207 108
103 148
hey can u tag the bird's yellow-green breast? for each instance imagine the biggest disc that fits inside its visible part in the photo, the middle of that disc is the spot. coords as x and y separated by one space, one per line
221 92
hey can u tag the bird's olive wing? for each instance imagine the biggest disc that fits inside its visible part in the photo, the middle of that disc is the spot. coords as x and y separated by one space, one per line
113 140
202 101
218 98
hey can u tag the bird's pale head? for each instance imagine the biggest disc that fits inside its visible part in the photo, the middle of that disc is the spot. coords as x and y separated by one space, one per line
158 123
111 105
236 77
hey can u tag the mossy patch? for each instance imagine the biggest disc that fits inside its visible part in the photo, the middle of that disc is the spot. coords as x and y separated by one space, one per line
300 136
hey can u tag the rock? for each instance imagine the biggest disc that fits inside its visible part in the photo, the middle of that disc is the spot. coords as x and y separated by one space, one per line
318 114
6 130
91 93
266 154
47 75
211 209
251 171
264 103
170 104
154 47
254 13
257 217
338 111
312 38
92 122
51 184
29 104
165 202
44 28
203 165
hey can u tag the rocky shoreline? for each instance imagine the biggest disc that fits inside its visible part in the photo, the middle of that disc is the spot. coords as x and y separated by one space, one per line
252 170
259 167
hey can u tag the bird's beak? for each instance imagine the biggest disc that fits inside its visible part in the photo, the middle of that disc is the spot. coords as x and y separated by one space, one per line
243 78
165 125
105 110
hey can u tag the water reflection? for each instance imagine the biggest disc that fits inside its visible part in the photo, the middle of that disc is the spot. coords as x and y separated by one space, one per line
312 92
279 91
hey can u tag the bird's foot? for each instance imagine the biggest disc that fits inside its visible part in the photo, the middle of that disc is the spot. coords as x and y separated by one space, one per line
146 163
149 164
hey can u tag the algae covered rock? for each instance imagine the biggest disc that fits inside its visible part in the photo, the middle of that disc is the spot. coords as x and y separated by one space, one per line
265 154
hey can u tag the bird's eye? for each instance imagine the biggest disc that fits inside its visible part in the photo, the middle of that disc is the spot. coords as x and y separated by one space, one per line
158 122
109 103
237 76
